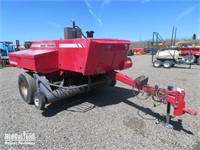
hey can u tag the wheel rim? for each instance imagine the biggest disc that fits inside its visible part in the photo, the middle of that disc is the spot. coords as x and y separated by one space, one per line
36 101
166 64
24 88
156 64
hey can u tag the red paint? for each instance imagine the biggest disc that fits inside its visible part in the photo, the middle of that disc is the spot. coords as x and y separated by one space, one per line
187 50
175 98
90 57
138 49
87 56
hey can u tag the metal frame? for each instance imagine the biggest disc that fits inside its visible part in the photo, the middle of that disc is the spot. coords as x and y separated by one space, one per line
172 97
43 85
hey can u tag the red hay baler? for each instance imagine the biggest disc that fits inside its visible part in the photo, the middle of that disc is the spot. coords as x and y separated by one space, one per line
56 69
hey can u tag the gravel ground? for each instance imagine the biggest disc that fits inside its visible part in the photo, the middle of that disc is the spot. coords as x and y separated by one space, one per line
108 118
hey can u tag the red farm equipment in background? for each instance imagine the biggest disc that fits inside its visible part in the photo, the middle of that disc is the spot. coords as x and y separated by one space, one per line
56 69
183 52
138 50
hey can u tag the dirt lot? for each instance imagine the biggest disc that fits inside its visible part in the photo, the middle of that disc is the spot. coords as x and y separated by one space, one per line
108 118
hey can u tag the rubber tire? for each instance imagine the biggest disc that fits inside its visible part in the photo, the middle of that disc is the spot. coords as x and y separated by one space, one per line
157 64
167 64
198 61
26 81
39 100
3 63
113 82
130 53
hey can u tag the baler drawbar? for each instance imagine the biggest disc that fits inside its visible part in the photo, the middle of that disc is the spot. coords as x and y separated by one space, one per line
56 69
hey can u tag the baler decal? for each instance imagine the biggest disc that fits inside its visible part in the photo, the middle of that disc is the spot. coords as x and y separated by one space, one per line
68 45
50 45
13 63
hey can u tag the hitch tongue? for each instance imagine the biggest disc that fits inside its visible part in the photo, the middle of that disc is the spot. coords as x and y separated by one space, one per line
190 111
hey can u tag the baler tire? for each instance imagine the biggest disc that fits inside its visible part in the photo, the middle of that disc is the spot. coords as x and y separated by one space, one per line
39 100
167 64
157 64
113 82
26 85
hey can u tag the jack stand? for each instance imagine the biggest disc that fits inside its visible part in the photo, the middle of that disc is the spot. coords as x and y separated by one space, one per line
166 124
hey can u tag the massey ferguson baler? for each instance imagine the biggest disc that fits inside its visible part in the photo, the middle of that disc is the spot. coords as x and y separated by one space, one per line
57 69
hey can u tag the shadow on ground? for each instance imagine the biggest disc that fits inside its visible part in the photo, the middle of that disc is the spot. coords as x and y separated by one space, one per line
105 97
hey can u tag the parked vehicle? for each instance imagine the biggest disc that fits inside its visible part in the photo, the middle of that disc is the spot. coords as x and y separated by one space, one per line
168 57
186 52
5 49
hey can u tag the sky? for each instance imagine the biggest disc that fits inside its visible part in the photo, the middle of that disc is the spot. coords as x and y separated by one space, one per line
132 20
